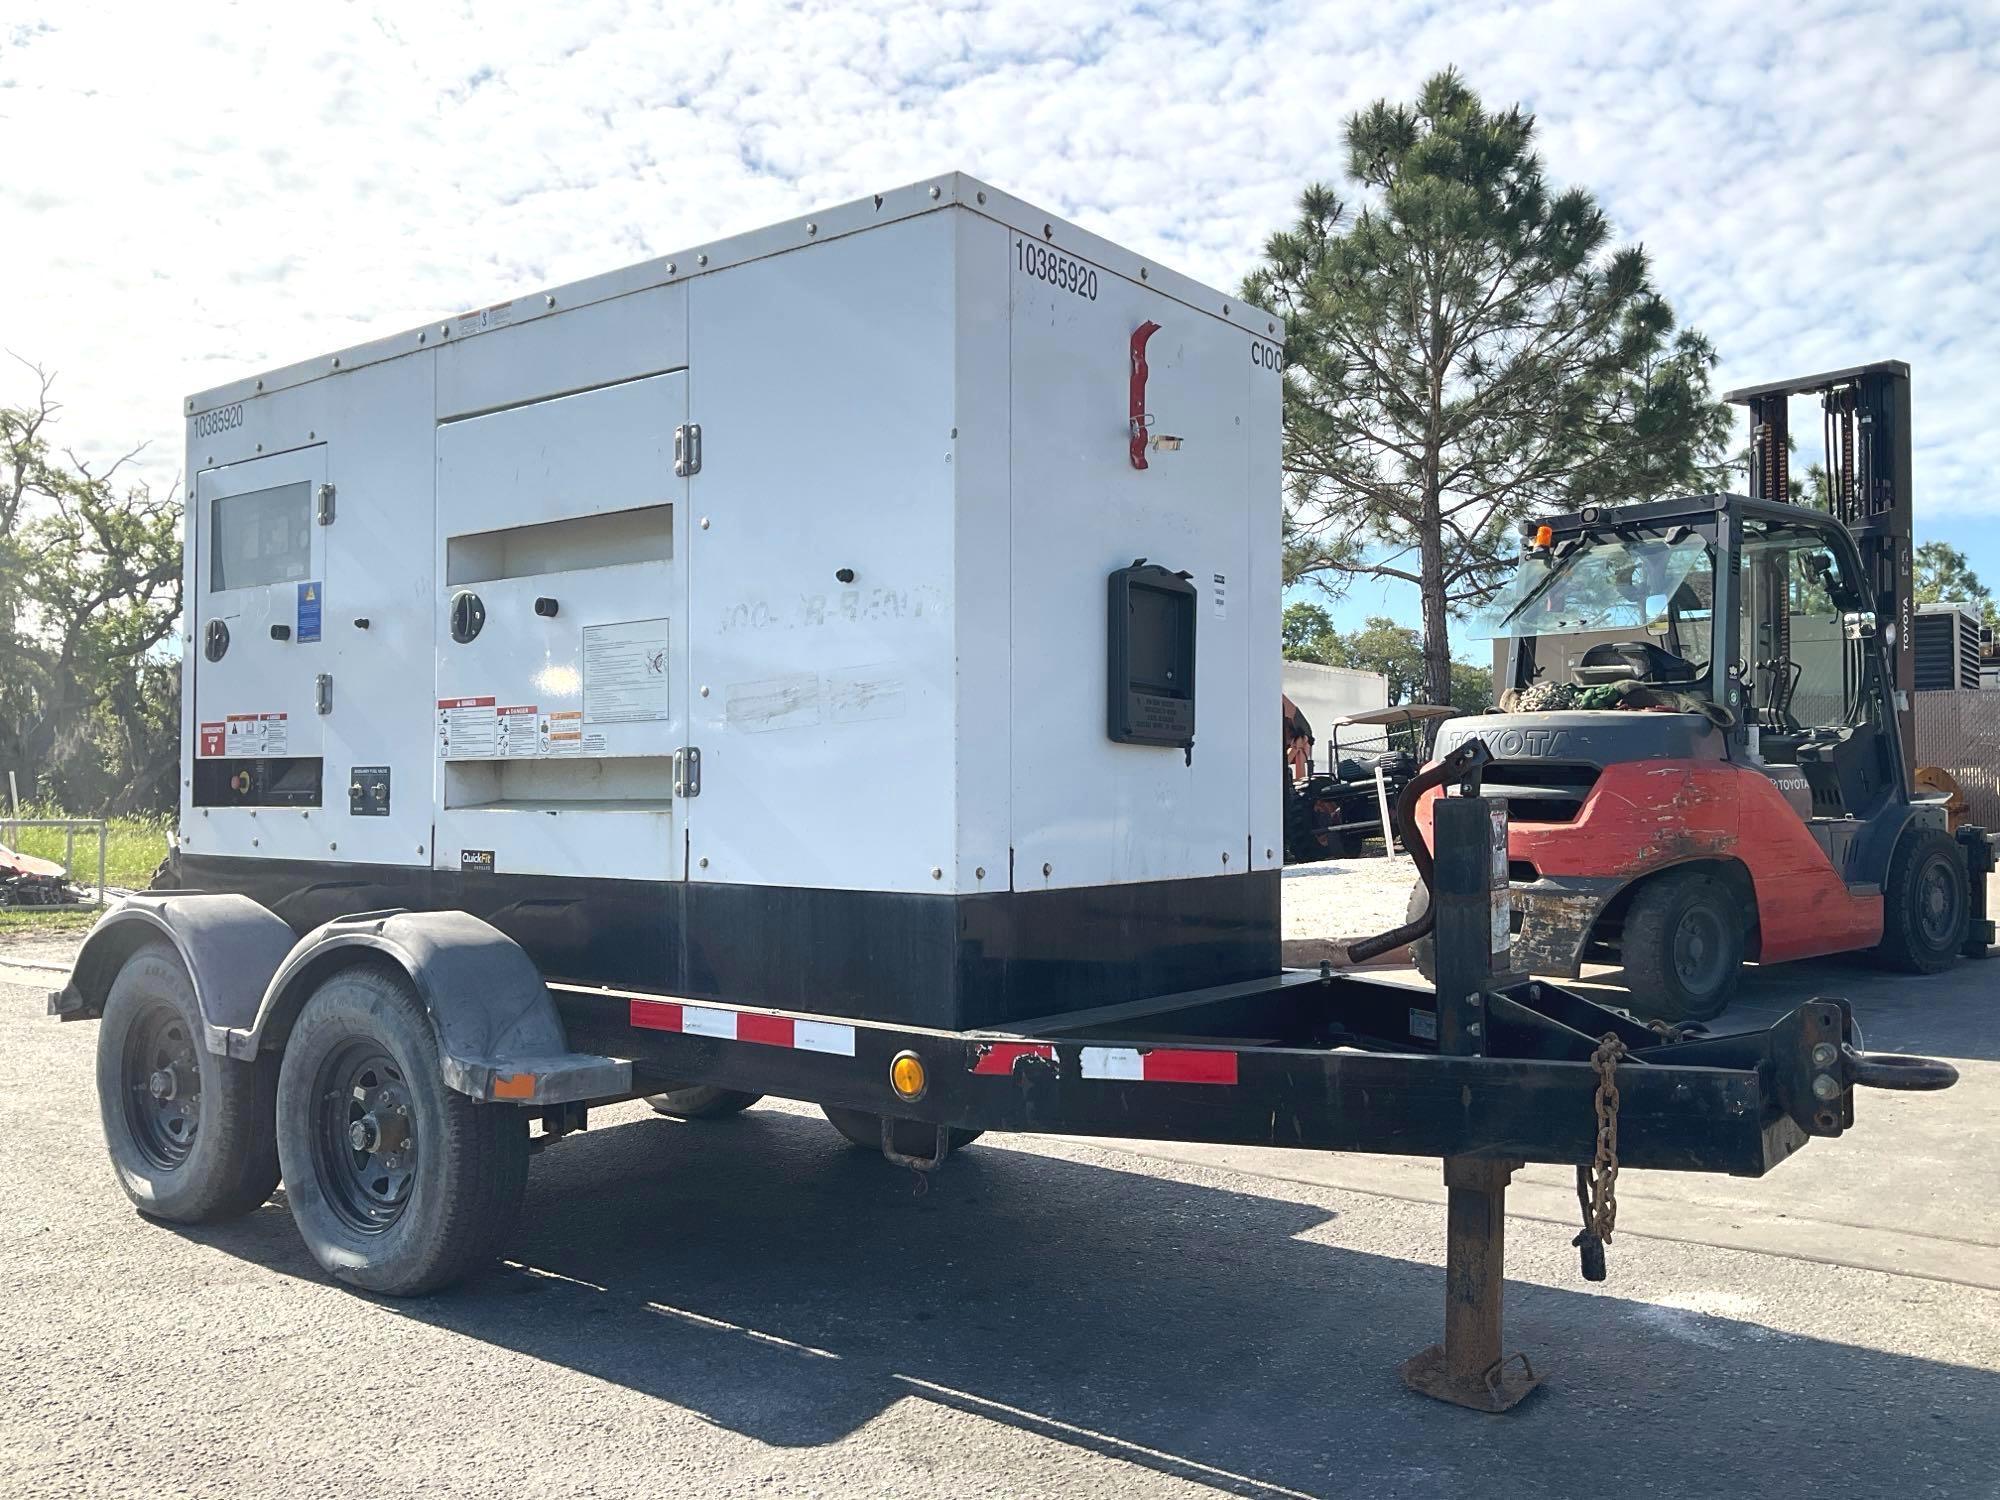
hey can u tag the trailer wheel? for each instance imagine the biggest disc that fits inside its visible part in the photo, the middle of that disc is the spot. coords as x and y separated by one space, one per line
1682 947
1925 904
701 1102
398 1184
910 1137
189 1133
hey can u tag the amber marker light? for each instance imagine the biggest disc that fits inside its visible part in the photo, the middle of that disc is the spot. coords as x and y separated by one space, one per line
907 1076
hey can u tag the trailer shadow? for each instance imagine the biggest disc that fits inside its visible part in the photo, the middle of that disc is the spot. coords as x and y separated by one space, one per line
782 1285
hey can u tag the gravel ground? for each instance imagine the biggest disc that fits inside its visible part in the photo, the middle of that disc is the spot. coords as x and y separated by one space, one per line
1346 898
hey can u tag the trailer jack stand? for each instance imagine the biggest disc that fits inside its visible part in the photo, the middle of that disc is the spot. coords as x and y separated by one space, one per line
1469 1368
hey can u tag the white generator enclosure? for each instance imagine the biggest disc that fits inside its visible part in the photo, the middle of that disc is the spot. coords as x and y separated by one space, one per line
874 614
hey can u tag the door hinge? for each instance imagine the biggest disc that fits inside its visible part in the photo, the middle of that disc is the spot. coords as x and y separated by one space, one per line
325 502
687 449
323 692
687 772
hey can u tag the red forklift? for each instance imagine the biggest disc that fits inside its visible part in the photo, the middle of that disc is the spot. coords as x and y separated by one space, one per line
1706 741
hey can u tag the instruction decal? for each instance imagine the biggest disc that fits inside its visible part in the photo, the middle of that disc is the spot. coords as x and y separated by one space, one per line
468 728
1221 596
248 736
309 610
625 672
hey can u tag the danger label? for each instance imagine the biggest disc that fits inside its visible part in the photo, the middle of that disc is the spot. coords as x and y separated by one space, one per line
468 728
514 733
245 735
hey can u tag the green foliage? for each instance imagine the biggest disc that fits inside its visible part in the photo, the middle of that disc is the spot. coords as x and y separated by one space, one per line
90 590
133 846
1467 350
1381 645
1945 576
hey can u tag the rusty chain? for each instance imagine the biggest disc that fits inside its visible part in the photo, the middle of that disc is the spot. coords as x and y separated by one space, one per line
1597 1184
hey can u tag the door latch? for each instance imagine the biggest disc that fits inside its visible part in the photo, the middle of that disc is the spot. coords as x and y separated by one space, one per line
687 772
325 501
687 449
323 693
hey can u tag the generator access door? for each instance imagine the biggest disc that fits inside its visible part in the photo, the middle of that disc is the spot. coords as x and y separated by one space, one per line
561 657
260 668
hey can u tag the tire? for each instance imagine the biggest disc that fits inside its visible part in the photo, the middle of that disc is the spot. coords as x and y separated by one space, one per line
190 1134
436 1189
700 1102
1422 950
1682 947
910 1137
1925 904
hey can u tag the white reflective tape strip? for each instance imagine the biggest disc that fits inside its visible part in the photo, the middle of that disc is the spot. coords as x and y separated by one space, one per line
699 1020
823 1036
1112 1062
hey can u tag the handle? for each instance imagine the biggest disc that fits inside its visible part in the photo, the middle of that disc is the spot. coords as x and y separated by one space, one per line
1897 1070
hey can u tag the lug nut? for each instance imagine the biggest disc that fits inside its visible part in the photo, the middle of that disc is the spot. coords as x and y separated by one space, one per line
1823 1055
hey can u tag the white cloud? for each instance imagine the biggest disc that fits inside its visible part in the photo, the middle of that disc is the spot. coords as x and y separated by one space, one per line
195 193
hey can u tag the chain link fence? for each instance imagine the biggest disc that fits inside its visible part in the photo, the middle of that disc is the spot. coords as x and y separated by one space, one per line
1959 732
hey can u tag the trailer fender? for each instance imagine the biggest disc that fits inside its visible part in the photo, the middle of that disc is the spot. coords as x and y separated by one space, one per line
499 1036
229 945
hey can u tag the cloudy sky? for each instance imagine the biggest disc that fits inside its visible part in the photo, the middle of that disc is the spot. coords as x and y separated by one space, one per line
194 192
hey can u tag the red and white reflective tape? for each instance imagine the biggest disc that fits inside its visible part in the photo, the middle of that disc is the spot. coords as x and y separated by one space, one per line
1159 1065
744 1026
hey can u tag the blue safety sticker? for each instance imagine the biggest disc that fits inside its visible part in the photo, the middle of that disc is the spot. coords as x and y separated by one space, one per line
309 602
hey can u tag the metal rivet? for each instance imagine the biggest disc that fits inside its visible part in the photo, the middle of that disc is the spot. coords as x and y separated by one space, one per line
1270 328
1267 854
550 300
253 843
260 385
671 268
937 872
812 229
444 330
982 197
333 846
336 361
1142 274
190 403
421 335
704 861
310 435
936 192
704 523
702 259
704 690
954 432
260 447
1826 1086
1225 859
420 848
980 872
1225 309
1047 868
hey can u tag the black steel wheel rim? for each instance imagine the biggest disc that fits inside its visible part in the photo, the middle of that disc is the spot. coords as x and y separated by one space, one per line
1700 952
364 1136
1937 896
161 1077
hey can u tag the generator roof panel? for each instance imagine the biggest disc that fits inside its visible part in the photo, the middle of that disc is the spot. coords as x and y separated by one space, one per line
951 190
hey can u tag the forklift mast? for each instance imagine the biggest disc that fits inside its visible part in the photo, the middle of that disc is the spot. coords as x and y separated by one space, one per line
1865 424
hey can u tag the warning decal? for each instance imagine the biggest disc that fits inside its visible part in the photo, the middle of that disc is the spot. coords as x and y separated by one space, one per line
246 735
468 728
514 732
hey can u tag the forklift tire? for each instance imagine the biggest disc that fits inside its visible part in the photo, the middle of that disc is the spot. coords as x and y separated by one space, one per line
701 1102
910 1137
190 1134
1421 949
1925 904
398 1184
1681 947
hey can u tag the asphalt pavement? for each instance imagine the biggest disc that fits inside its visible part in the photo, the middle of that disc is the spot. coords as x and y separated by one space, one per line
751 1307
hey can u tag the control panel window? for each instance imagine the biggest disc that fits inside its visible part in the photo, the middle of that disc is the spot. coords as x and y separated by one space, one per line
262 537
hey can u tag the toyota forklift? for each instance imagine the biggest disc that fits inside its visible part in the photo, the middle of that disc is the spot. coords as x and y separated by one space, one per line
1705 741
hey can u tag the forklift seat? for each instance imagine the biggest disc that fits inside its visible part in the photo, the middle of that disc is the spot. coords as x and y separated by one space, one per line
1844 767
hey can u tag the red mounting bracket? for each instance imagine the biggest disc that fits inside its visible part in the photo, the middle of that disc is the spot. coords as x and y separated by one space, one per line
1139 336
